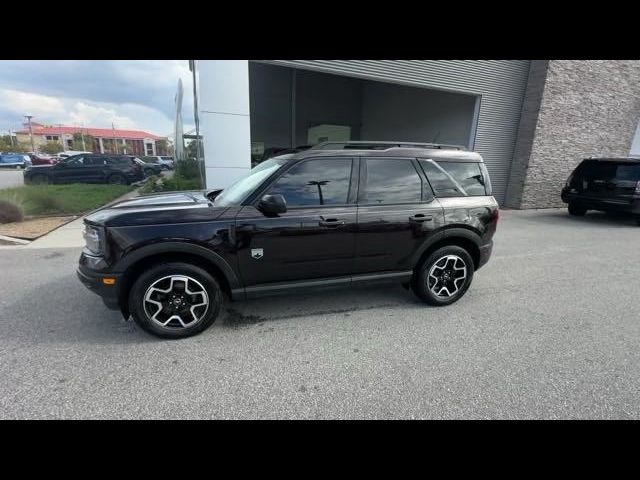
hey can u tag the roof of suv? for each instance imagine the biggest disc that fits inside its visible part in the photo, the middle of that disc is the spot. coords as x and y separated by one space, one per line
614 159
451 153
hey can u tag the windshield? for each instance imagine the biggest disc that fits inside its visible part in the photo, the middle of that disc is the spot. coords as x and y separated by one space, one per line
238 191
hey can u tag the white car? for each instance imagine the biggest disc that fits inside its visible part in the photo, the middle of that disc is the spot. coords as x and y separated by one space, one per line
70 153
167 163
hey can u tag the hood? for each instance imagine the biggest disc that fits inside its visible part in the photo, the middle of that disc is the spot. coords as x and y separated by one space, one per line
176 207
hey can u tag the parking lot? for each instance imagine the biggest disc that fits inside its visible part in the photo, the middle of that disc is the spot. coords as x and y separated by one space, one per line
11 178
549 329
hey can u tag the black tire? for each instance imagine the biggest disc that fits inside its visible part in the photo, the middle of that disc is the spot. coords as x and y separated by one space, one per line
148 172
157 276
576 210
40 179
422 283
638 221
117 179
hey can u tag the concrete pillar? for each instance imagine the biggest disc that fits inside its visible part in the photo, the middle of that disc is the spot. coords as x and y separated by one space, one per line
223 89
101 145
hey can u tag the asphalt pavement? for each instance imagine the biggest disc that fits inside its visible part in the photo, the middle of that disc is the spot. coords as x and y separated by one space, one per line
11 178
549 329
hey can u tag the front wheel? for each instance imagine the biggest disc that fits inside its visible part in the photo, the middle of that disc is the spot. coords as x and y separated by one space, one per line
444 277
117 179
576 210
175 300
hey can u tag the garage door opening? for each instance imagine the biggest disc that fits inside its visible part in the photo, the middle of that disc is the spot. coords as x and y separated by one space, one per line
293 108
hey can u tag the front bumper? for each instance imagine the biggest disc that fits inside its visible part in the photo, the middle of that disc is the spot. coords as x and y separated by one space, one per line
94 281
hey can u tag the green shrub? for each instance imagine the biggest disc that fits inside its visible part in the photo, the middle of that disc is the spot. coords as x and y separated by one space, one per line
150 185
188 168
10 211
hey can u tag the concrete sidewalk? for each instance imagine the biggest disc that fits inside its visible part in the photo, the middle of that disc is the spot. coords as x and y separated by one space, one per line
68 235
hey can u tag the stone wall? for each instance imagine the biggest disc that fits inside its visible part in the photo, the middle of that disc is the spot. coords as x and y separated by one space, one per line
588 108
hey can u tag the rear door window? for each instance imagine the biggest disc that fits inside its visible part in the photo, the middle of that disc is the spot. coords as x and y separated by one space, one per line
390 181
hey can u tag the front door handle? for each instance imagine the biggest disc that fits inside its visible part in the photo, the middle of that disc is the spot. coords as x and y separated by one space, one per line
331 222
421 217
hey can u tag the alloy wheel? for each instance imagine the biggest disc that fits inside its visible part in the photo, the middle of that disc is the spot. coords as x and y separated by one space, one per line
447 276
176 301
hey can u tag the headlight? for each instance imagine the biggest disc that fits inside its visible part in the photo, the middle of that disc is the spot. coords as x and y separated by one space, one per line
93 239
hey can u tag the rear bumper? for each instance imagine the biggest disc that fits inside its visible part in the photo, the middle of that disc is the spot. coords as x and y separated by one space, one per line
605 204
95 282
485 254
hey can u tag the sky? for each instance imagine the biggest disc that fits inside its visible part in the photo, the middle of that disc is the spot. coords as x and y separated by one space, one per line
133 94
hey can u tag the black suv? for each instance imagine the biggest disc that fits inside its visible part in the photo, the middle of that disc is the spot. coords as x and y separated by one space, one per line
96 168
422 216
605 184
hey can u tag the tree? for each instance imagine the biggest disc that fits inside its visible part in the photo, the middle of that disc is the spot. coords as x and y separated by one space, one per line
163 146
52 148
89 142
190 150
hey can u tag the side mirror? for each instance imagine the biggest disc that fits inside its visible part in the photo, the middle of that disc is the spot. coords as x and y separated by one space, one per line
272 204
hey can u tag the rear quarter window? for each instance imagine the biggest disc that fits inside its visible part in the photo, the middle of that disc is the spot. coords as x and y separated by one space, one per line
457 179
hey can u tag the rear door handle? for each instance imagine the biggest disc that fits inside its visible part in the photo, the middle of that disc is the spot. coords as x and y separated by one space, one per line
331 222
420 217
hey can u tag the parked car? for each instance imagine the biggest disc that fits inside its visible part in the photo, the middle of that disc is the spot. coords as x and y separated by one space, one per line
14 160
167 163
42 159
71 153
605 184
149 168
93 168
421 216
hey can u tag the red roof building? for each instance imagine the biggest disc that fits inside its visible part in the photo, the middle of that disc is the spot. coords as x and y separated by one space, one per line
107 140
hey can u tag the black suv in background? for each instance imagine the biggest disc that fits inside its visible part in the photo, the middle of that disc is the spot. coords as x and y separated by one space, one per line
96 168
605 184
420 215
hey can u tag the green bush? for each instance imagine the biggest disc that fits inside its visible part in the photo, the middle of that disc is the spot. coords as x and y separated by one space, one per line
188 168
10 211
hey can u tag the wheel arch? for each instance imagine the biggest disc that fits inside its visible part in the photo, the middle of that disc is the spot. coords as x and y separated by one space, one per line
461 237
140 260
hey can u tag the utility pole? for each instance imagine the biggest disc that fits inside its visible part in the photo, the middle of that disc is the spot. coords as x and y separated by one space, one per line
29 117
84 148
115 143
196 117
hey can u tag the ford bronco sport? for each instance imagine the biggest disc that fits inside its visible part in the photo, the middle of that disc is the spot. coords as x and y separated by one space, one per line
333 215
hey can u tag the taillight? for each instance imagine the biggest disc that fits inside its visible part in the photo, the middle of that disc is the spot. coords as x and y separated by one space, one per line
496 216
569 180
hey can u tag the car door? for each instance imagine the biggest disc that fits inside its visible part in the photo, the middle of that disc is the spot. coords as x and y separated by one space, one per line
70 170
397 213
314 238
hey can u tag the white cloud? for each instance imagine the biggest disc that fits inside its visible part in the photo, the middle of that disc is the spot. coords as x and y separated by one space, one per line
27 103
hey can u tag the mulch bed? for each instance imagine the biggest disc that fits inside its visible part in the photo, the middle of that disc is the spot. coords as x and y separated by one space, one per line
33 228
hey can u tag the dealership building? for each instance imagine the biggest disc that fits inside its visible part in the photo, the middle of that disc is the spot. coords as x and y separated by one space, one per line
532 121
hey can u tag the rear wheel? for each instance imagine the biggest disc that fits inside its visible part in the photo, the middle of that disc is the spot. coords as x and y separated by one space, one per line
444 276
576 210
40 179
117 179
175 300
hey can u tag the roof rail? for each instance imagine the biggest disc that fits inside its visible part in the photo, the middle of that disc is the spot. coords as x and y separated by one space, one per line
364 145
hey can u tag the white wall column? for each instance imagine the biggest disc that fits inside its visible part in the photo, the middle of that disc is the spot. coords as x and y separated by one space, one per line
101 145
223 89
